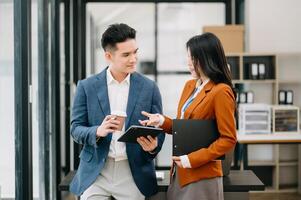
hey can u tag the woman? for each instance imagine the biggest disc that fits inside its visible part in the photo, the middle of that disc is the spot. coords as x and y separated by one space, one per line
209 95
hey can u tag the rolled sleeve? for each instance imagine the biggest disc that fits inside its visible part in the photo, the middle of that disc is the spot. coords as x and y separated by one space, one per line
185 161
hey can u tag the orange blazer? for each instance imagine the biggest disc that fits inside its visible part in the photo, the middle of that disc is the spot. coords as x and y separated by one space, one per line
215 101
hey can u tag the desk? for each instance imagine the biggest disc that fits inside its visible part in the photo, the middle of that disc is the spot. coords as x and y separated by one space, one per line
236 186
278 138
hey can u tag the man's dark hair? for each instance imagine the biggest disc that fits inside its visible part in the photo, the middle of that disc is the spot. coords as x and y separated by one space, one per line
116 33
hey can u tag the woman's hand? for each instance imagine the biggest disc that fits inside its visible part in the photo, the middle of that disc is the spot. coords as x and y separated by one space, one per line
148 144
153 119
177 160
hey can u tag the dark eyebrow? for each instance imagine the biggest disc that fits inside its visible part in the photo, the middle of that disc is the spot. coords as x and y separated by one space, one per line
130 52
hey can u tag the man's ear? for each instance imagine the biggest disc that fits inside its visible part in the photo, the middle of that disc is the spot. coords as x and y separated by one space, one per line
108 56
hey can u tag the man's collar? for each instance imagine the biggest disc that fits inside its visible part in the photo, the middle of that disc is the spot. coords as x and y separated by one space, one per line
110 78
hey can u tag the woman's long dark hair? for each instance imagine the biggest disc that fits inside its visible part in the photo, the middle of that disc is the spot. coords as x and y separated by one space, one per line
208 56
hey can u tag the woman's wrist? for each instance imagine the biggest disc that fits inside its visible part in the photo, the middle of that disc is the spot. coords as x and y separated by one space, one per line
161 120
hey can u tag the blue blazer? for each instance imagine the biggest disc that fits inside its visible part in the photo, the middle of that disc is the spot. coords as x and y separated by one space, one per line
91 105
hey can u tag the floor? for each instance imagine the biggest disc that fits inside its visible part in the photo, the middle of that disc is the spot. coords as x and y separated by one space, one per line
275 196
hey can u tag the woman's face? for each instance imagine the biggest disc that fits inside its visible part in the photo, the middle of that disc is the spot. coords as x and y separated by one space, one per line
190 66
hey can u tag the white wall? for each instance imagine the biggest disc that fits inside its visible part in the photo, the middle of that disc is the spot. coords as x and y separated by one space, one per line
273 25
179 22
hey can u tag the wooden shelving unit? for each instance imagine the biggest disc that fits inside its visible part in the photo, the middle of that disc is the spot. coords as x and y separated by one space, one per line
284 73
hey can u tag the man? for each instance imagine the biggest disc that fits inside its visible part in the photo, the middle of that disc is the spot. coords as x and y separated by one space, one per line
109 168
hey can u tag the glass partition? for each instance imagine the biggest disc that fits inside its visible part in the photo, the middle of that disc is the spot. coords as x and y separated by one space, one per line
177 22
7 118
140 16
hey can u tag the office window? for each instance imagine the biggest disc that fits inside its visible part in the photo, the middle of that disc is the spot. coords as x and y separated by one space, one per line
140 16
35 114
7 121
177 22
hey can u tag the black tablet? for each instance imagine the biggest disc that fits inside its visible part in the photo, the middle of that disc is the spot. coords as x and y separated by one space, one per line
133 132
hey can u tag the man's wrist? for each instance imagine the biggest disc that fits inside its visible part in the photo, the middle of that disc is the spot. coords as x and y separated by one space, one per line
98 134
154 151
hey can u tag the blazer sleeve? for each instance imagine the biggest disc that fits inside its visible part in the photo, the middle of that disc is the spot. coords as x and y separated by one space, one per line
156 107
81 132
224 108
167 125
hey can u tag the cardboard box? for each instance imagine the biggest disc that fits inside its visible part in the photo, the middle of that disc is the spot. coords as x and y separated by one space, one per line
231 36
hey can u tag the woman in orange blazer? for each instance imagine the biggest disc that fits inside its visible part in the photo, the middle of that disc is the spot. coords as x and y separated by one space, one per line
209 95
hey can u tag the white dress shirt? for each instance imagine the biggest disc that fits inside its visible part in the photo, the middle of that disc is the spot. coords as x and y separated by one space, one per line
118 97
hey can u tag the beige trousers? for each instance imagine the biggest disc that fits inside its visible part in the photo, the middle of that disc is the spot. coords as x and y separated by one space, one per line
115 180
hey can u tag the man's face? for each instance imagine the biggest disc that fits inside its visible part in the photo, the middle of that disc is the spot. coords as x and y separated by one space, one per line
123 58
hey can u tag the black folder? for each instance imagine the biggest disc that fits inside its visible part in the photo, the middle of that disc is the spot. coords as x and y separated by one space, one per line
134 132
190 135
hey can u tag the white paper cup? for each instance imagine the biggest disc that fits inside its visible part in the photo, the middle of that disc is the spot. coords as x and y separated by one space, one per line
120 116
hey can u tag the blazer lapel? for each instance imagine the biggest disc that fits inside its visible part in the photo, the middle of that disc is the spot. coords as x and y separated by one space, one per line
135 89
101 90
186 94
198 99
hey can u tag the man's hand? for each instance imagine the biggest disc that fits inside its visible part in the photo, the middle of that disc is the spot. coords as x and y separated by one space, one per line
153 119
109 125
148 144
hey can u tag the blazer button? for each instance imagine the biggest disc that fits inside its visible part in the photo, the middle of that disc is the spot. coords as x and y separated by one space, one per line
175 133
175 146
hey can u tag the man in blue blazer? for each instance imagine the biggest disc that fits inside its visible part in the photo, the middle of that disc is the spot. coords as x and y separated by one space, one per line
109 168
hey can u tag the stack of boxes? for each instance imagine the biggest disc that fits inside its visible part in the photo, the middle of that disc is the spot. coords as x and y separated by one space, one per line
254 119
285 119
265 119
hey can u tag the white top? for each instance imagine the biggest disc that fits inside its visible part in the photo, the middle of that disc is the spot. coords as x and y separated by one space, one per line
118 97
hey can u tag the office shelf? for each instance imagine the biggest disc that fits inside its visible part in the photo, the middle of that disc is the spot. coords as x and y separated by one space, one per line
291 189
286 163
283 73
289 82
255 81
262 163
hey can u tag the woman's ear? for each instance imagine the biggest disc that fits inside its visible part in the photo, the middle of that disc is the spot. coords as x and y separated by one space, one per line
197 69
